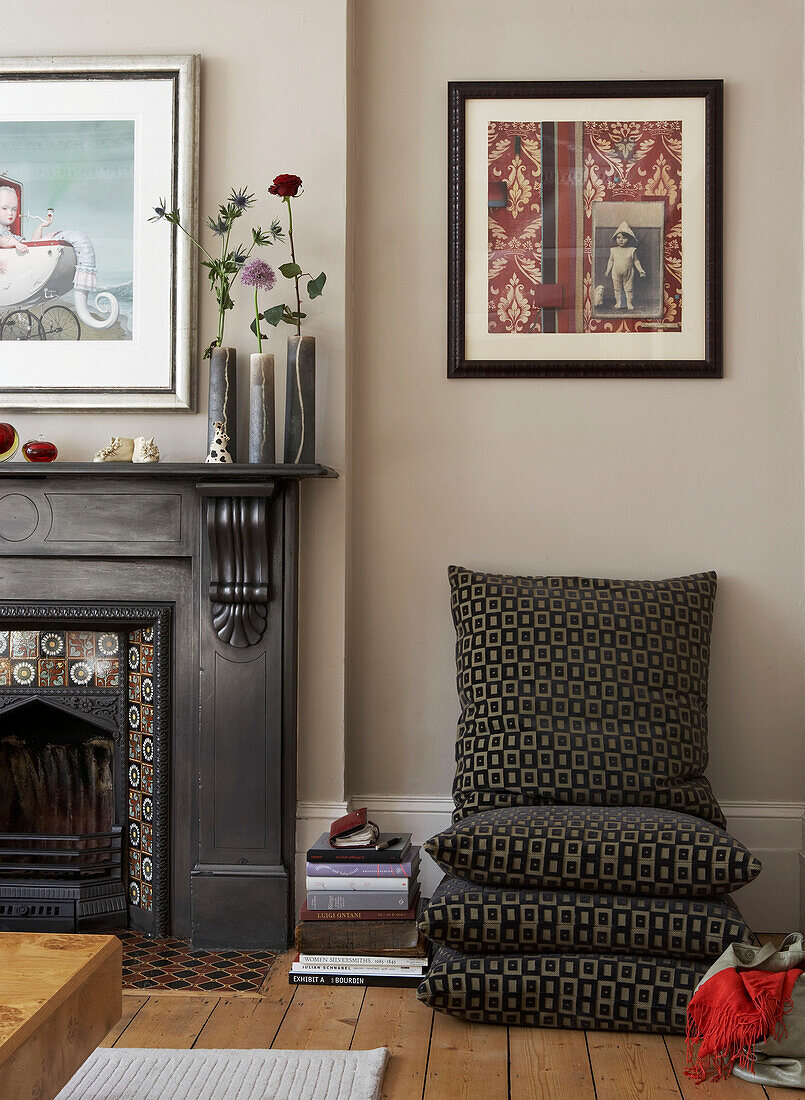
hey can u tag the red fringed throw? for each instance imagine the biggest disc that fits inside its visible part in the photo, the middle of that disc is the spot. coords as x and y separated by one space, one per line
731 1012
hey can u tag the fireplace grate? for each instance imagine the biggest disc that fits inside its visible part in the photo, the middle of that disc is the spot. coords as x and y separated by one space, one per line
60 857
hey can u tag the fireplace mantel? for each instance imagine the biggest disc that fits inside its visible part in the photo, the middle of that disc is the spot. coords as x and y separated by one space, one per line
217 543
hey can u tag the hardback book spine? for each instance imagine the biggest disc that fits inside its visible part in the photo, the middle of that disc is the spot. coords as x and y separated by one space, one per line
307 914
369 961
394 980
365 971
337 884
366 870
357 899
321 854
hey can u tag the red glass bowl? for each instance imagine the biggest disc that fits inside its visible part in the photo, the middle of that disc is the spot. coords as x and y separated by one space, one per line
9 441
39 450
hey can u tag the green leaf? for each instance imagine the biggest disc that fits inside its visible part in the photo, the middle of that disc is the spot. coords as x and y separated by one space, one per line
291 318
316 286
253 327
273 316
290 271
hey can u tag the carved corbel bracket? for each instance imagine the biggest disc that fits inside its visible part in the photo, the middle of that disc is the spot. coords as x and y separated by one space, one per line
237 532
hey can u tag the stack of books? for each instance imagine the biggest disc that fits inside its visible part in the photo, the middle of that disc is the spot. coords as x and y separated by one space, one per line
359 924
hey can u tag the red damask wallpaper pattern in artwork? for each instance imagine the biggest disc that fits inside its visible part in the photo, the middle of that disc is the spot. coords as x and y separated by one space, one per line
542 264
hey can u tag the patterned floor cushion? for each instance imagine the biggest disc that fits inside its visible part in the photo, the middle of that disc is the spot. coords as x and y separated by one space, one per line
582 691
595 848
495 920
609 992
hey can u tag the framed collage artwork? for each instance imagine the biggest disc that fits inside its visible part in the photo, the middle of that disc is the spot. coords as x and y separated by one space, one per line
568 251
97 307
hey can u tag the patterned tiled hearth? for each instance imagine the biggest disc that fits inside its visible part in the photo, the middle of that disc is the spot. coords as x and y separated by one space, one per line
112 674
57 658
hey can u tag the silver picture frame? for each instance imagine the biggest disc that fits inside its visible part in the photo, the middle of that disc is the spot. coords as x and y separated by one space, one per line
165 336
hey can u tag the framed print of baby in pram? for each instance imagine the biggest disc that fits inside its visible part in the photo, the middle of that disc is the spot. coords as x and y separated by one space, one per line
569 254
97 310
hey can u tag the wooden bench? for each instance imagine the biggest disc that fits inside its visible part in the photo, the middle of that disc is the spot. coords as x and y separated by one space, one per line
59 996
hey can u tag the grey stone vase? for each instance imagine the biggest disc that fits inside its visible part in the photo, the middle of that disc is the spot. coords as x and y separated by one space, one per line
261 408
300 400
224 396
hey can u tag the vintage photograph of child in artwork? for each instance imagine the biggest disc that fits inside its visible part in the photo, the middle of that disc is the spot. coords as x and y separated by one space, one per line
585 227
66 230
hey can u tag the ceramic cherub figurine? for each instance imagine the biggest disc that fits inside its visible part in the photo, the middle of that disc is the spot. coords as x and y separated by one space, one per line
218 451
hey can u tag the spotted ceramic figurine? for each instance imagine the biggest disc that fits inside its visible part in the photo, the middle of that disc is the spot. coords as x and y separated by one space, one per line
118 449
145 450
218 451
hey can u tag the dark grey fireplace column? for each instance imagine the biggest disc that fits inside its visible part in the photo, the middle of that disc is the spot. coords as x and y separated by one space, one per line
242 887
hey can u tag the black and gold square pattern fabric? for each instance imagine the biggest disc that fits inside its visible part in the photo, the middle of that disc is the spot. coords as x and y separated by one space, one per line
608 992
618 850
496 920
582 691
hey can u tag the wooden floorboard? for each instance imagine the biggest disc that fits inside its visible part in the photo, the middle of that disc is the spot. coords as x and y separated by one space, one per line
320 1017
731 1089
548 1065
168 1022
433 1056
132 1003
628 1066
465 1058
394 1018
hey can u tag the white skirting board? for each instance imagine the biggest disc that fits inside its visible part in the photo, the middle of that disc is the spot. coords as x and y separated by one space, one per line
773 831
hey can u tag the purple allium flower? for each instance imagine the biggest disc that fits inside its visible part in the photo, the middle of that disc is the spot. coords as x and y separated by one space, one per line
258 273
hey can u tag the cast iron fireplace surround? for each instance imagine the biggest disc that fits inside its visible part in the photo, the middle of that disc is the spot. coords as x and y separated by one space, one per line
207 554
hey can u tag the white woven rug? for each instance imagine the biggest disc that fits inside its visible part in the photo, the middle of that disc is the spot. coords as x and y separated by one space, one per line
134 1074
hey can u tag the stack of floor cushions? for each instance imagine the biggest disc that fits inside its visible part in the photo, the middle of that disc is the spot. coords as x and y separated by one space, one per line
587 870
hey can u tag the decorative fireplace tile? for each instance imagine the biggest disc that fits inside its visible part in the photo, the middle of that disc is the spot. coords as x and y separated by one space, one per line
4 642
140 680
81 672
24 643
23 672
107 672
52 672
53 643
107 645
135 806
81 643
5 671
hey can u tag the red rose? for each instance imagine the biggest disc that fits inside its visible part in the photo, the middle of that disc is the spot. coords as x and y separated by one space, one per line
285 185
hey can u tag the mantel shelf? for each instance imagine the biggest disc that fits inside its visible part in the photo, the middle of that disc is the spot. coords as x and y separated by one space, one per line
165 471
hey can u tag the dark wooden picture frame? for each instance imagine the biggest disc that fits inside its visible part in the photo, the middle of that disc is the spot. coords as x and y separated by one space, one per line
556 286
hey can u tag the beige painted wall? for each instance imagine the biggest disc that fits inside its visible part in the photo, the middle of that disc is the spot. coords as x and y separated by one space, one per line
273 100
614 478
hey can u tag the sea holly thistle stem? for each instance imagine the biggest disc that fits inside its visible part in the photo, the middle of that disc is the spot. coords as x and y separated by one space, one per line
222 270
